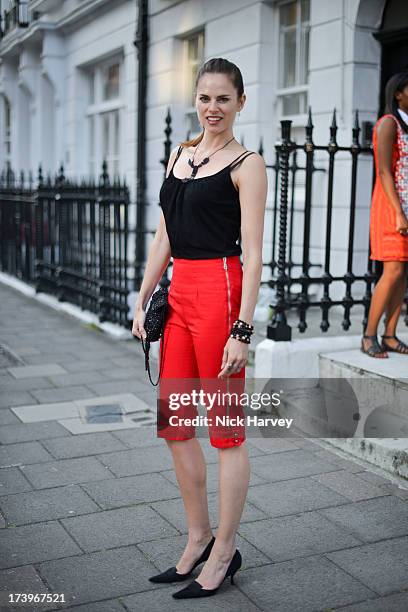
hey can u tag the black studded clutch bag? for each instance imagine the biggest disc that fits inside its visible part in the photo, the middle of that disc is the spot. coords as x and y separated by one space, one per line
154 324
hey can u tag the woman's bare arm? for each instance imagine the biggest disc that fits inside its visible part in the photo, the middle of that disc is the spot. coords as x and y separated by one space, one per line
253 186
386 136
157 262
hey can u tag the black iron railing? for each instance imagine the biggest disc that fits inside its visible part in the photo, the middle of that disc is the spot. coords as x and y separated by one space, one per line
69 239
318 286
15 17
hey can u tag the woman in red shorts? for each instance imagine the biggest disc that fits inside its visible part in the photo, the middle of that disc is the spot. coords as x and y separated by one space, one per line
214 190
389 219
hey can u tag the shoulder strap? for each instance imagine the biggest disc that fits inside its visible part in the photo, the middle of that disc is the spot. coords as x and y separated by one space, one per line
240 159
177 156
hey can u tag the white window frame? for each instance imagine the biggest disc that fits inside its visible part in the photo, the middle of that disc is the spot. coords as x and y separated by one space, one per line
95 112
298 118
188 85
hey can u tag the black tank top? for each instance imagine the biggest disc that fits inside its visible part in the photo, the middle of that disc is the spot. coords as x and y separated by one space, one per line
203 216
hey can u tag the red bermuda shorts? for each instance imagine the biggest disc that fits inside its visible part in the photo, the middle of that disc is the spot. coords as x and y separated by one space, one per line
204 301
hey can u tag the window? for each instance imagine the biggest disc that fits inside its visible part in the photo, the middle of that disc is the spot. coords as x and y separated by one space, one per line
193 58
6 130
294 27
104 117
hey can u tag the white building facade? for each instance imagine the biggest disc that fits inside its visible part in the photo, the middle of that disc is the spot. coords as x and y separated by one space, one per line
68 85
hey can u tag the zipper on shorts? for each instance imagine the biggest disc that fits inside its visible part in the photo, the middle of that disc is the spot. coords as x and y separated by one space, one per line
228 291
229 321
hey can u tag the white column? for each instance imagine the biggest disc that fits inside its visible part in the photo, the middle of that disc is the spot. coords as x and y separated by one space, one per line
53 100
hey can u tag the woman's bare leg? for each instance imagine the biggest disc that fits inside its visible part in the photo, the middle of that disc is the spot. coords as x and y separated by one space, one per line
191 473
384 294
393 310
234 474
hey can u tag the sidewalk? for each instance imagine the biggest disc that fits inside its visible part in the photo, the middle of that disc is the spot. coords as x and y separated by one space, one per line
90 507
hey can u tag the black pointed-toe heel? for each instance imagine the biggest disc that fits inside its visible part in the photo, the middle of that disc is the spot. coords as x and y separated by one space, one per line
194 589
172 575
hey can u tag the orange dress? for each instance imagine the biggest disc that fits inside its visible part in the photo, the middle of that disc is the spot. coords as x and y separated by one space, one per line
386 243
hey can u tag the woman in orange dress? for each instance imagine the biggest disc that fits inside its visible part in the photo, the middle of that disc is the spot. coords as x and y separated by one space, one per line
389 219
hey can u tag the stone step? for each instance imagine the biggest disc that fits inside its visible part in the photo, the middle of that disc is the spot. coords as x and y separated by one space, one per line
381 389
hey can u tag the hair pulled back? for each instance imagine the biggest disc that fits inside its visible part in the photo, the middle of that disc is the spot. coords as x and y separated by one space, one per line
218 65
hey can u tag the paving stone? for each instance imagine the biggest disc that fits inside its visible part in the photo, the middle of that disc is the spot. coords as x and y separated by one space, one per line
80 365
65 471
21 580
80 426
212 477
82 445
290 464
119 527
105 388
27 350
112 605
372 519
164 552
35 543
45 505
305 585
136 361
397 491
382 566
372 477
140 461
173 511
345 464
62 394
285 538
25 384
23 453
29 371
77 378
15 398
349 485
59 358
13 481
131 490
155 601
271 445
306 444
25 432
46 412
393 603
122 373
98 576
139 437
293 496
7 417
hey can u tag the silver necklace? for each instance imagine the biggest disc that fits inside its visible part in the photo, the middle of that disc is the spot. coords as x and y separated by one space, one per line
195 167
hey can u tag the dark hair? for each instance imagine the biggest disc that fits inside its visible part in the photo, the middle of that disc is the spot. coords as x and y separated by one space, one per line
218 65
396 83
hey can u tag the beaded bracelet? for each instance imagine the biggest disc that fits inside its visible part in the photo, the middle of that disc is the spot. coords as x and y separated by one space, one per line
242 324
242 338
242 331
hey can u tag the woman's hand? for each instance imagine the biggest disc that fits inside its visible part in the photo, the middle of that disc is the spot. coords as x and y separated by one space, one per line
236 355
138 329
401 223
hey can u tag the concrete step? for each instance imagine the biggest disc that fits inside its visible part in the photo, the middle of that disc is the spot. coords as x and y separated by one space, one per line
380 387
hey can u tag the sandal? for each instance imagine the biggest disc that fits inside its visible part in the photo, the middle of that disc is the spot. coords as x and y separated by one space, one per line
401 347
374 350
